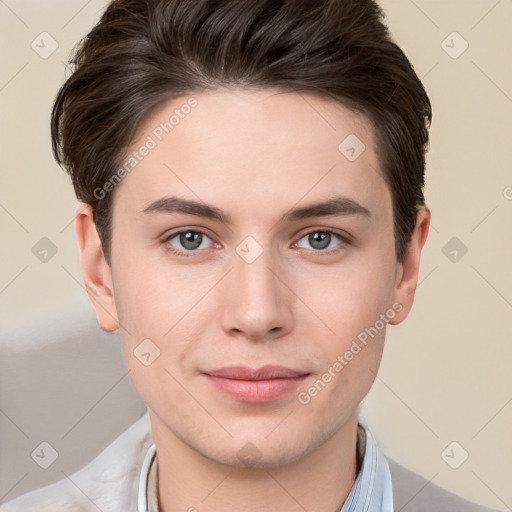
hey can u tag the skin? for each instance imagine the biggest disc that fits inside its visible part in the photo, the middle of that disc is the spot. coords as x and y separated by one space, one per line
256 155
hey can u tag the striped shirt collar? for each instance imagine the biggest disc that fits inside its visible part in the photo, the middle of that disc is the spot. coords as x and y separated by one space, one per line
372 490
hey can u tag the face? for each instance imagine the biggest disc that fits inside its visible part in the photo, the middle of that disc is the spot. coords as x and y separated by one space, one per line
254 271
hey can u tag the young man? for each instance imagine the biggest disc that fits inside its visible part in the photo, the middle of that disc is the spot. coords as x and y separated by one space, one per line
251 219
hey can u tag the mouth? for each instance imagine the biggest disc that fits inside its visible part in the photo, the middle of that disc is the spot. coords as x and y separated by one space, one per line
255 385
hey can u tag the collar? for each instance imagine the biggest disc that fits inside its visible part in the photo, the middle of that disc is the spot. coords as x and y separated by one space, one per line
147 499
372 489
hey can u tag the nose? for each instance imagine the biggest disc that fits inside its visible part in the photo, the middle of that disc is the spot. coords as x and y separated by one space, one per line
257 304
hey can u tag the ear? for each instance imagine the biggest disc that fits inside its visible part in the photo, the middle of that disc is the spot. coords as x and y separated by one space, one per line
408 269
96 272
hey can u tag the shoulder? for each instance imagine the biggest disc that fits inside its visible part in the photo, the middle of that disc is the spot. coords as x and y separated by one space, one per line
108 483
414 493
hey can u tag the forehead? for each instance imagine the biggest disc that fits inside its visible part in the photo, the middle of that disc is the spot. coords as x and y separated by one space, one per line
237 146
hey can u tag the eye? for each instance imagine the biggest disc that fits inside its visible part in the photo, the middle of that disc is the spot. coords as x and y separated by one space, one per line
187 241
323 240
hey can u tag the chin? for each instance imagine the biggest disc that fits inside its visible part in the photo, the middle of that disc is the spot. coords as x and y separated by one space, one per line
259 454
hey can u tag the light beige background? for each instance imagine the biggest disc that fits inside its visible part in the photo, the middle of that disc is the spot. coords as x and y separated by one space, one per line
446 372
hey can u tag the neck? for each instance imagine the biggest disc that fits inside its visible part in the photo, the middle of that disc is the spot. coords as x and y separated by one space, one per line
320 481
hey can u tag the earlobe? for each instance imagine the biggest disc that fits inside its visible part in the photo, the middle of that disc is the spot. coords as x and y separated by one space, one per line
96 272
408 269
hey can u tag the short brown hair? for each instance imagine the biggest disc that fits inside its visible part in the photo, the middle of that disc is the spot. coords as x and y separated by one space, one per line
144 52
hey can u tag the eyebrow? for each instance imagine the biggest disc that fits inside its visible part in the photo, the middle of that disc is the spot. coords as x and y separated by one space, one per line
337 206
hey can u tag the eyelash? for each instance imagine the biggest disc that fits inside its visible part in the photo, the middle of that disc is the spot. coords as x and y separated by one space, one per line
344 241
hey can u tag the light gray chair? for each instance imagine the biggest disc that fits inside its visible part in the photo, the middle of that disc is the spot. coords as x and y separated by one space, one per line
63 382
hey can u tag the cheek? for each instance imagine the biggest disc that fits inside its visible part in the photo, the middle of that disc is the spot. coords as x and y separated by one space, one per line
349 358
152 296
154 336
353 305
350 298
158 310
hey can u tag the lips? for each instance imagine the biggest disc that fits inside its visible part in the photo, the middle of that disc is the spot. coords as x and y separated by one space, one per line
255 385
264 373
